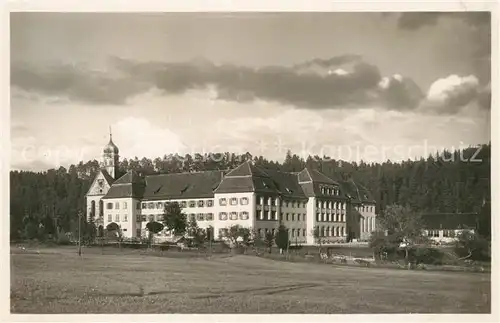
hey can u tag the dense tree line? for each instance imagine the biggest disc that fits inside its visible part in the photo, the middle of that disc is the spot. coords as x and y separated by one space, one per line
456 181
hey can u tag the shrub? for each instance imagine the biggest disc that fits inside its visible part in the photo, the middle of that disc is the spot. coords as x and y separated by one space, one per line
472 246
426 255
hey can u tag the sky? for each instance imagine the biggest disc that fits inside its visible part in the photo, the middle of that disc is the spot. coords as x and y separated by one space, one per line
352 86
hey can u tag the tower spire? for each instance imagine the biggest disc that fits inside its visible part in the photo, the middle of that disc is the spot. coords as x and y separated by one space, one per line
110 134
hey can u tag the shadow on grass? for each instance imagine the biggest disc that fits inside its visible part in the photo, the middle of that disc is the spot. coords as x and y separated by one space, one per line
259 291
250 291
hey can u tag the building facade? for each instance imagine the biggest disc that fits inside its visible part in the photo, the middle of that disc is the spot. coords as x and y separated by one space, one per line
250 196
446 227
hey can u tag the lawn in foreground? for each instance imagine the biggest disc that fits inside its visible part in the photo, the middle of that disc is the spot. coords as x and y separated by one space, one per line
58 281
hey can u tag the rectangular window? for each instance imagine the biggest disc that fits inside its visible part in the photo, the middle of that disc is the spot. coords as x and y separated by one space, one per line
144 218
273 201
151 205
192 204
293 233
293 216
183 204
192 216
159 205
317 217
210 216
222 216
201 203
159 218
259 214
304 232
210 203
138 206
288 216
222 202
144 206
151 218
233 216
200 217
233 201
110 218
244 215
273 215
109 206
117 218
125 218
124 205
117 205
244 200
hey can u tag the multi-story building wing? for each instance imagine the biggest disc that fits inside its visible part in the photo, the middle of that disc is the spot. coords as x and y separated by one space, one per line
250 196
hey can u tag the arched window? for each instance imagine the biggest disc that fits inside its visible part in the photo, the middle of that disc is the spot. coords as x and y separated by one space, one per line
101 208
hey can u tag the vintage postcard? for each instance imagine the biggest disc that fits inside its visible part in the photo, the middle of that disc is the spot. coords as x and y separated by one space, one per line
258 161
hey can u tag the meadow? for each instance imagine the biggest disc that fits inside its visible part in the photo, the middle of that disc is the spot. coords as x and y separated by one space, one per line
56 280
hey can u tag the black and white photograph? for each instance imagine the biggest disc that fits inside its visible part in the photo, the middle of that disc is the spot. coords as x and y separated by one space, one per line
250 162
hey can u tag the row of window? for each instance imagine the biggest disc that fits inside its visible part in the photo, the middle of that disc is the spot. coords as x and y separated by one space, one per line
182 204
291 232
446 233
326 217
223 216
283 203
331 232
124 218
368 224
366 208
329 190
330 205
233 201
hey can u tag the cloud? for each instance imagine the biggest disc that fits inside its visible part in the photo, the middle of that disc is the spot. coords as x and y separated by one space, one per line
77 82
343 81
416 20
450 94
146 139
478 30
400 93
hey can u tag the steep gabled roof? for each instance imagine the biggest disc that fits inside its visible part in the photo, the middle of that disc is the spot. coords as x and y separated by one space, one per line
107 177
129 185
356 192
130 177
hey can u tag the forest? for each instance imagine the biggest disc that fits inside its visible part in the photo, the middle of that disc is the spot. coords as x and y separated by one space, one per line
449 181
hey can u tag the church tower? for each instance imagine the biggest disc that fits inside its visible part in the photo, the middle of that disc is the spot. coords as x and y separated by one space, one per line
110 157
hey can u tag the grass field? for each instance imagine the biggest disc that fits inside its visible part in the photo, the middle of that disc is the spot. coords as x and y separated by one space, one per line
56 280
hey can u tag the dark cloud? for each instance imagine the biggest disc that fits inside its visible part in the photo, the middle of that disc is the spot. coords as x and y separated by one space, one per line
75 82
402 94
361 85
331 62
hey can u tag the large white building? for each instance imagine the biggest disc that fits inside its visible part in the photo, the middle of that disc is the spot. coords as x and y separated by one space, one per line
253 197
